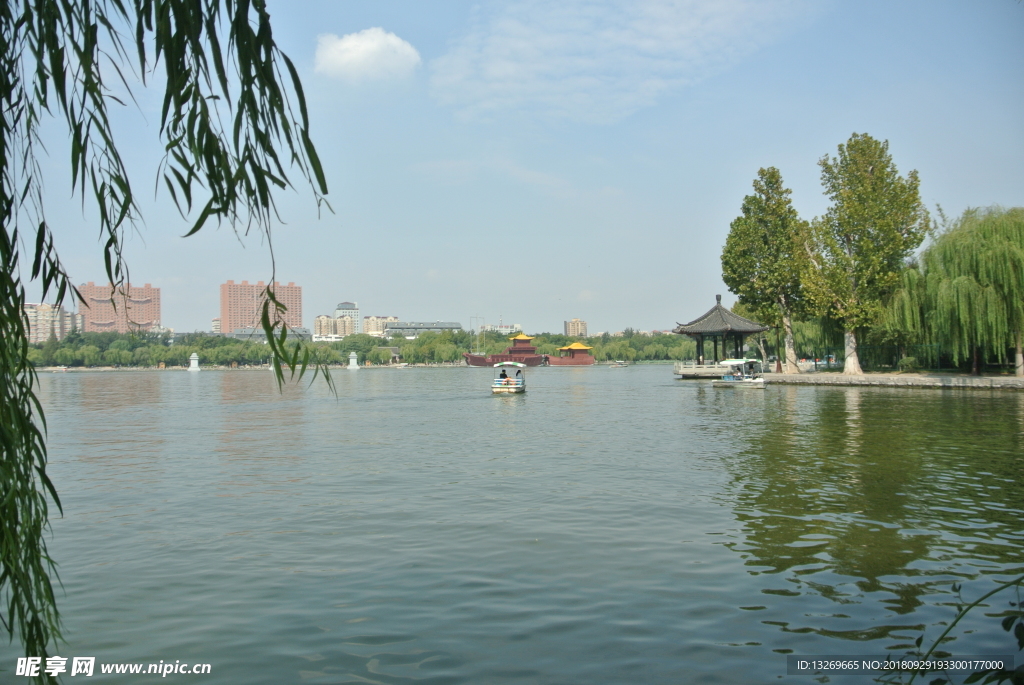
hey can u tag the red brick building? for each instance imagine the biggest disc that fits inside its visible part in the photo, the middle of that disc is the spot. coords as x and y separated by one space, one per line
129 308
241 305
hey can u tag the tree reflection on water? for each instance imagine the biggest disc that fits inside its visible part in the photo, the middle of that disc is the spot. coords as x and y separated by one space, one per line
878 496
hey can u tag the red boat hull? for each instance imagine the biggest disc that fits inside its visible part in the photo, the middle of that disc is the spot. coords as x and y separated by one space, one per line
577 360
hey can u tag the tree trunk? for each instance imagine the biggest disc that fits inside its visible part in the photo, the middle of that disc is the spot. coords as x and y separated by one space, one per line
778 352
1018 358
791 364
852 365
975 366
764 356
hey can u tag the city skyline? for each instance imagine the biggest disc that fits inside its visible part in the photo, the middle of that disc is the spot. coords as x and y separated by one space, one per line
292 293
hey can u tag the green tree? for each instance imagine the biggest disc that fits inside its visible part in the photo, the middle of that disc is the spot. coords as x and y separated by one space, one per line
763 256
116 357
232 125
141 356
380 355
65 356
49 350
856 252
89 355
967 292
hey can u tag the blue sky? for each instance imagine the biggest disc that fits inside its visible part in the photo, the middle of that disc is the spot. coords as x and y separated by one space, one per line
543 161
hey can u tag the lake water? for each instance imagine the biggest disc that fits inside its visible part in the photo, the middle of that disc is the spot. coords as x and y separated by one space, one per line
610 526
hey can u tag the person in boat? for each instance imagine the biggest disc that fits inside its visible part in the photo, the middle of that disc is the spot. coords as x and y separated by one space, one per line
519 373
503 374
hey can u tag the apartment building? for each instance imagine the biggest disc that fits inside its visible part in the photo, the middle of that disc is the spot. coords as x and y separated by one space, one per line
351 310
576 328
332 328
375 325
241 305
45 320
122 309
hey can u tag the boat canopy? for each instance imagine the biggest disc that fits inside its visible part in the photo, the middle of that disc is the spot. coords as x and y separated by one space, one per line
515 364
737 362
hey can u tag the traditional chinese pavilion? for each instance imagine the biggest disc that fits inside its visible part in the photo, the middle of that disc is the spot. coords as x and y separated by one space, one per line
576 354
719 325
521 351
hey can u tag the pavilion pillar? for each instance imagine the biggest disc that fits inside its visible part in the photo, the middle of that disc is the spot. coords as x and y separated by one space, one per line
715 338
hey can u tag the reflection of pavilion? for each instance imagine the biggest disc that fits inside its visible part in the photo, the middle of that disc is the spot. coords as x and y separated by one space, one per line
719 324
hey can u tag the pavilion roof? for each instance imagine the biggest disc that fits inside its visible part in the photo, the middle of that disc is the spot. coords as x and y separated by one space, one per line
576 346
719 320
521 336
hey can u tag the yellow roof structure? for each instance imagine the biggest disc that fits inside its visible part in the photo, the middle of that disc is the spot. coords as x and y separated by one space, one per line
521 336
576 346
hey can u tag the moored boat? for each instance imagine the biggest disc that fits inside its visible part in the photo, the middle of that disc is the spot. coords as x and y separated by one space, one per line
506 383
521 351
576 354
744 373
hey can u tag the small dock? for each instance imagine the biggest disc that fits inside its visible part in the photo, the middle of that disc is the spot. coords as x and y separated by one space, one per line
872 380
900 380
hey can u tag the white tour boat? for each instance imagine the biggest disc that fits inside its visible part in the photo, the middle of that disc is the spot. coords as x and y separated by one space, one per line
509 378
743 373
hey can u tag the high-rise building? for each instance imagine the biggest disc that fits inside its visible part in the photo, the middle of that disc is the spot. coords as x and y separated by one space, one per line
122 309
241 305
374 325
576 328
351 310
215 326
45 320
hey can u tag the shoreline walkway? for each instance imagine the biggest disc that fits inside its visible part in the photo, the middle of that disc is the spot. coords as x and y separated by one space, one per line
899 380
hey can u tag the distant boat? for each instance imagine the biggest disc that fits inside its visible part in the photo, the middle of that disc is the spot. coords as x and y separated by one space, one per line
617 364
576 354
521 351
505 384
743 373
60 369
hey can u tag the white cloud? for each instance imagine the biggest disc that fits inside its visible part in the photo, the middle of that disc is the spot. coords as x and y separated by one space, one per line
369 55
599 60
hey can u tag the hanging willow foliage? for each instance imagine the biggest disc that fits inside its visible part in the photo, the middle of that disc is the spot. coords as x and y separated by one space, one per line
233 123
967 293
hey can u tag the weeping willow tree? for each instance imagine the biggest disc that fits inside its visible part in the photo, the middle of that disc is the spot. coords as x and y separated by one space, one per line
967 293
233 124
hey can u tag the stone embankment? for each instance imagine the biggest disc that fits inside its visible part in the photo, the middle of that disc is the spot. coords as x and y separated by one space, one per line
900 380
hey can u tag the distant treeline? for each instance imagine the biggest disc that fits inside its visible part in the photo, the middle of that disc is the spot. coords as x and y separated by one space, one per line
149 350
